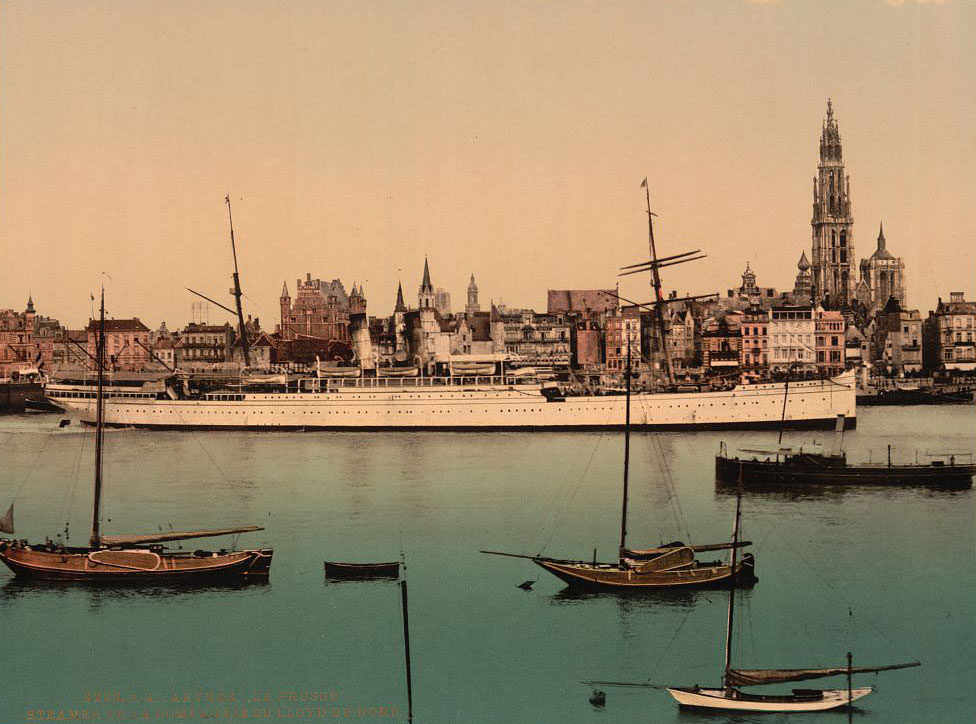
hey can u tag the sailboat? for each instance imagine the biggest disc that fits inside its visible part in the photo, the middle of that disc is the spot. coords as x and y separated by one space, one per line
125 558
730 698
671 566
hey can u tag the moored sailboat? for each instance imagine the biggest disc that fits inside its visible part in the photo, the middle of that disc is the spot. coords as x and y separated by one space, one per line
135 558
672 566
729 697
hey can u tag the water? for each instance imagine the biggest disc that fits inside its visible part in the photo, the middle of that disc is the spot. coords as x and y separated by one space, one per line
886 574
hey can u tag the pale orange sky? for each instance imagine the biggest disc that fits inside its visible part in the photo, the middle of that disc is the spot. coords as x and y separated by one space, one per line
504 139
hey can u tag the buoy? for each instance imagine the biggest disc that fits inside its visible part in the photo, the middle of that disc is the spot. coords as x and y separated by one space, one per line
598 698
526 585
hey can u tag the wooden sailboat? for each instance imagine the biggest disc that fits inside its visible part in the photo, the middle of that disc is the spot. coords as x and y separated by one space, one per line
729 697
135 558
665 567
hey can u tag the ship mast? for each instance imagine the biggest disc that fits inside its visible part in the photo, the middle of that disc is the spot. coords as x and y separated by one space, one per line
656 283
236 291
735 544
623 514
96 539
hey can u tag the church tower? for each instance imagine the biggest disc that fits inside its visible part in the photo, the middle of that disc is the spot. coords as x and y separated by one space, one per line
833 222
285 301
884 274
426 298
472 306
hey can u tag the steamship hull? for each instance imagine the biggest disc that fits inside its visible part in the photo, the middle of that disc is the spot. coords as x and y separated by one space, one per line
809 404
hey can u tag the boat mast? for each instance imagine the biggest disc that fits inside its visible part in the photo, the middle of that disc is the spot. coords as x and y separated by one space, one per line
656 282
623 514
96 539
735 546
406 646
237 288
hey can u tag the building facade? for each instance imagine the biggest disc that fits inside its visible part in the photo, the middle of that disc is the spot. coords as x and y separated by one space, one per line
949 334
897 339
205 344
126 343
755 340
623 337
320 309
831 343
791 338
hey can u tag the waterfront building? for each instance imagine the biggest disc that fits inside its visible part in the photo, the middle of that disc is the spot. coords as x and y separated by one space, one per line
18 351
832 223
474 335
126 343
204 345
472 305
586 312
722 343
791 338
681 337
320 309
897 339
856 347
882 277
623 337
71 350
538 339
581 301
949 335
164 351
755 340
831 342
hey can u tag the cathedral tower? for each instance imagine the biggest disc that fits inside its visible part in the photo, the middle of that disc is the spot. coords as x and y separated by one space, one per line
833 222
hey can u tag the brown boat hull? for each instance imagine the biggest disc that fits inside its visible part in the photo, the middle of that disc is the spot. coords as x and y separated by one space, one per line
142 565
762 472
608 577
335 569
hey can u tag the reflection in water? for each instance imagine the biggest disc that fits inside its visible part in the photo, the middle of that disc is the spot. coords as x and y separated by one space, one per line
785 491
18 589
633 602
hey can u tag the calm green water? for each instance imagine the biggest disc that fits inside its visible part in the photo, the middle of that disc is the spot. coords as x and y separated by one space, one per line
887 574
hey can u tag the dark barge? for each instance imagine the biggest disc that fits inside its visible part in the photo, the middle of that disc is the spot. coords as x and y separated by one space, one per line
786 466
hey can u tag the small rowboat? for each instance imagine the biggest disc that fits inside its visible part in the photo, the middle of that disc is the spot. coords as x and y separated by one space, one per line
335 569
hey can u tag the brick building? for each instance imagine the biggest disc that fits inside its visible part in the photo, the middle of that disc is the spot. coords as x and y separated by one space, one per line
126 343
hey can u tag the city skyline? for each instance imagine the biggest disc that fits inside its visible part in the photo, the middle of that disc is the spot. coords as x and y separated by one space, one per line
507 142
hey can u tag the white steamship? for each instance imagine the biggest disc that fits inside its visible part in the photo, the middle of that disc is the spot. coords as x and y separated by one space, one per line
462 403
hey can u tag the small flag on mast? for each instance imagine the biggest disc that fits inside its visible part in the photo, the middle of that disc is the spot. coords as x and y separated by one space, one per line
644 183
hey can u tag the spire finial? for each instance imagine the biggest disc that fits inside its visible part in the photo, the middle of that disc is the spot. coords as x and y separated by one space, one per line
830 109
881 236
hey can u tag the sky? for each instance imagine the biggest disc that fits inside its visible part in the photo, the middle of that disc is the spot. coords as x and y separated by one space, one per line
503 139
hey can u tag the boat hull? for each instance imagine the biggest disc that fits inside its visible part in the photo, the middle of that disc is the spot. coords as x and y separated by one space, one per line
771 473
431 406
143 565
718 699
352 571
608 577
